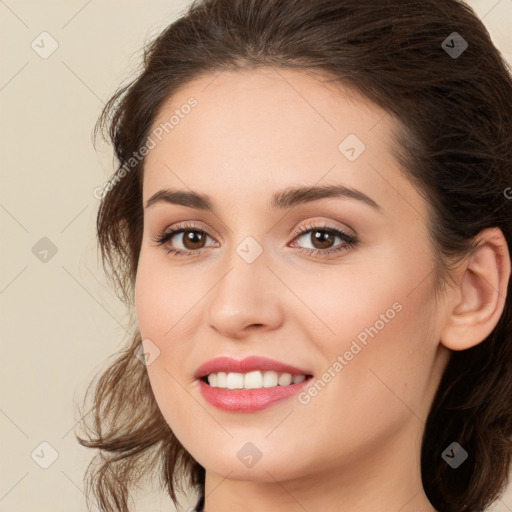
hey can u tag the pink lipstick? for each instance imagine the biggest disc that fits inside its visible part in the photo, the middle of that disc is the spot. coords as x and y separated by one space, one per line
250 384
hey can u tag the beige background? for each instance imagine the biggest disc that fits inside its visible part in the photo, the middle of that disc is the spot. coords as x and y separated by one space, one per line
60 322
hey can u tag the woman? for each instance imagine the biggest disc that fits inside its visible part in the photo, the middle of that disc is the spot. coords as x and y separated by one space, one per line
311 218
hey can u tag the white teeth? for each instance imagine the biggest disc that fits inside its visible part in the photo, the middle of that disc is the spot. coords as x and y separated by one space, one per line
270 379
252 380
235 381
221 379
285 379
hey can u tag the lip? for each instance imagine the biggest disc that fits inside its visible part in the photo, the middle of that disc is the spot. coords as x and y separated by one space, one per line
248 400
249 364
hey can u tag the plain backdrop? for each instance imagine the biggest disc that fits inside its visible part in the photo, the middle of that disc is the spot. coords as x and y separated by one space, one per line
60 62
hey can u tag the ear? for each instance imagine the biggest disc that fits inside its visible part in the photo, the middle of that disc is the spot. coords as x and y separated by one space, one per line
477 302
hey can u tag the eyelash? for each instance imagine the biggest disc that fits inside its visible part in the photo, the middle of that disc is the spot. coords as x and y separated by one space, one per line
349 240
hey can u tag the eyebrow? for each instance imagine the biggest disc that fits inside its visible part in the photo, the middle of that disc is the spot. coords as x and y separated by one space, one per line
286 198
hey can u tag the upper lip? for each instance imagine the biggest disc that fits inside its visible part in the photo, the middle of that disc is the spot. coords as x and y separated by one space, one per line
249 364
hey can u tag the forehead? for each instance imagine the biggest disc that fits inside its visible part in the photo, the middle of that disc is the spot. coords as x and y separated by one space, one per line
269 127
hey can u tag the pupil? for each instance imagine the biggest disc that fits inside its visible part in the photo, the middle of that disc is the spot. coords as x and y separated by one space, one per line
322 239
193 237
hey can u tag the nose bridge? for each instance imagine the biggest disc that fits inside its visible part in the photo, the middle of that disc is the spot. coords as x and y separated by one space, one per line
244 295
248 274
247 238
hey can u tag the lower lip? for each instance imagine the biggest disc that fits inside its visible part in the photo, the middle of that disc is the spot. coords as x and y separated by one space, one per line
248 400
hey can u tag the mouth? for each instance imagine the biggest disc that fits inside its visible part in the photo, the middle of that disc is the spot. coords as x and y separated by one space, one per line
250 384
257 379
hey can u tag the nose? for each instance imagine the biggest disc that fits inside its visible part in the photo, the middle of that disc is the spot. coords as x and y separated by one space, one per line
247 297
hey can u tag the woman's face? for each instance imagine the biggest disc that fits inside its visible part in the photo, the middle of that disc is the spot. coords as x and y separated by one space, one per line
358 318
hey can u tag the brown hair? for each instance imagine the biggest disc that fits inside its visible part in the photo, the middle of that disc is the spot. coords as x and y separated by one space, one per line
455 143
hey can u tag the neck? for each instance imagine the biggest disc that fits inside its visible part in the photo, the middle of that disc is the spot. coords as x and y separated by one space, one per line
386 477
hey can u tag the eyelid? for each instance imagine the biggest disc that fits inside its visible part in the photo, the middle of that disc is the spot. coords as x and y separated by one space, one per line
171 231
185 225
321 225
348 240
312 224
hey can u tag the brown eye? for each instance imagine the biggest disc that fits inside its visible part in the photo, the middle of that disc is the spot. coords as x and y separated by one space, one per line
322 239
193 239
191 242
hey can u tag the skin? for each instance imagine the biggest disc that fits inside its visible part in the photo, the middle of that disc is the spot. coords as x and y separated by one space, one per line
356 445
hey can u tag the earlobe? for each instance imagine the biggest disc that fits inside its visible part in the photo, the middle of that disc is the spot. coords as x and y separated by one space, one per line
479 298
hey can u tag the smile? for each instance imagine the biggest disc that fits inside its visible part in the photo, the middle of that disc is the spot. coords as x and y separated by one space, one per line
252 380
250 384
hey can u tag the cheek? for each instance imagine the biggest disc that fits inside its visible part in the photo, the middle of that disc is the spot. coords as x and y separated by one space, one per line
160 300
374 324
159 307
167 317
376 372
352 303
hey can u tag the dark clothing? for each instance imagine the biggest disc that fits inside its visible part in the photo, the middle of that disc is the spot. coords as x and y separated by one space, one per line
200 505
